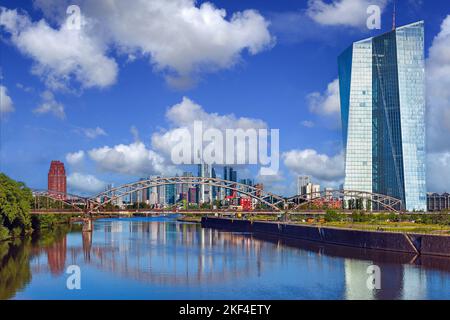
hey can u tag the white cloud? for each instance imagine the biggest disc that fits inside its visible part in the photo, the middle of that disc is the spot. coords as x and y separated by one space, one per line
307 123
137 159
181 116
201 37
133 159
50 105
93 133
326 103
60 54
75 158
438 84
85 183
351 13
320 166
181 38
6 103
24 88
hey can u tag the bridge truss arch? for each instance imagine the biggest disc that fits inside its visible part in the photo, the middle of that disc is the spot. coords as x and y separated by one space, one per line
387 202
81 204
272 200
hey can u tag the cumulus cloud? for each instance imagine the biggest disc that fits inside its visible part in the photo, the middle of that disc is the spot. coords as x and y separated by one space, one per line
75 158
438 114
320 166
438 84
24 88
85 183
6 103
138 159
50 105
203 38
62 54
307 124
351 13
93 133
182 116
133 159
326 103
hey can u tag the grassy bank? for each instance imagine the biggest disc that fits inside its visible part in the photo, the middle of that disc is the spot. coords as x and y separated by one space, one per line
438 223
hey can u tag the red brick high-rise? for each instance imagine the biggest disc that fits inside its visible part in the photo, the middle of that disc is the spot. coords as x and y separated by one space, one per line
57 177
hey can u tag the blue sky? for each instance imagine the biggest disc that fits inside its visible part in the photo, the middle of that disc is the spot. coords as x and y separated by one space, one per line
106 112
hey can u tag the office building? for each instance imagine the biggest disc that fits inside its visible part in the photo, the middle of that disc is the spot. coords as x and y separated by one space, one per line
204 191
302 181
311 190
170 194
57 180
382 93
438 202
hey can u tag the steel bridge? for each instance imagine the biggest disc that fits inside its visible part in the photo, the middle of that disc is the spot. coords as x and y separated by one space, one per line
93 204
379 200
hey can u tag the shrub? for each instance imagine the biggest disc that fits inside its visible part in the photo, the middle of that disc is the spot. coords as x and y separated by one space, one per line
331 216
4 233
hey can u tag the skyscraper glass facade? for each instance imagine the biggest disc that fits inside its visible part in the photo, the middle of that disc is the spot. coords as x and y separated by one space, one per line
382 91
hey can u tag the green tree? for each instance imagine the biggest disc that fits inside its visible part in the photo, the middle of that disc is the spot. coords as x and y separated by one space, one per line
15 201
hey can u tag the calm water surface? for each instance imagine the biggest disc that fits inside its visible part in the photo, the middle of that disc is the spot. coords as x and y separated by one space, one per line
160 258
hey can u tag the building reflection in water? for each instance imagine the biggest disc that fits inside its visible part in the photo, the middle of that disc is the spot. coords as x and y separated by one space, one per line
173 254
56 256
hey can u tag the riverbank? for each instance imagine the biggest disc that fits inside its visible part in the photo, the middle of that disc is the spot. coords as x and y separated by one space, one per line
418 244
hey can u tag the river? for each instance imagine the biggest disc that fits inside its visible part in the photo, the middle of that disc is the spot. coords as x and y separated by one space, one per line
162 258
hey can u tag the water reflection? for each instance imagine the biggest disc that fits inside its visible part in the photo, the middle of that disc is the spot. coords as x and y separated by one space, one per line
162 259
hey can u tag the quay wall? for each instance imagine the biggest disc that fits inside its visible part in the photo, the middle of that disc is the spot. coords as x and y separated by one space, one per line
388 241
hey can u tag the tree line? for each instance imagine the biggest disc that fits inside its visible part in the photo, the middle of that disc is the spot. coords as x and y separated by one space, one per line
15 204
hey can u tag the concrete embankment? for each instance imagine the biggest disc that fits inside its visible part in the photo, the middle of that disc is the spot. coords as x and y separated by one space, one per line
399 242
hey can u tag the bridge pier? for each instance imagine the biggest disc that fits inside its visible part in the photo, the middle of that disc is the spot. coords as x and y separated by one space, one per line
87 225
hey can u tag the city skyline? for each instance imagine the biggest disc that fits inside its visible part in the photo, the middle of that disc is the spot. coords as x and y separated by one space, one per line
72 115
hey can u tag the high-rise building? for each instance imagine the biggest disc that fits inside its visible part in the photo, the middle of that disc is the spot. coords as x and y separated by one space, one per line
204 191
57 180
231 175
302 181
310 190
214 190
170 194
192 196
185 187
382 92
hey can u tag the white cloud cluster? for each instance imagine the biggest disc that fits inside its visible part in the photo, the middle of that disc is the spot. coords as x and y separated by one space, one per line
327 103
133 159
60 55
438 117
320 166
200 37
342 12
6 103
438 84
75 158
93 133
179 37
50 105
182 116
85 183
137 159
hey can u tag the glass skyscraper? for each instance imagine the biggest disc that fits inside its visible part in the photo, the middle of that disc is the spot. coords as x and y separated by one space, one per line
382 93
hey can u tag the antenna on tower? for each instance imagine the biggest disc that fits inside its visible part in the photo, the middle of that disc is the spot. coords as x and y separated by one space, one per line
393 16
